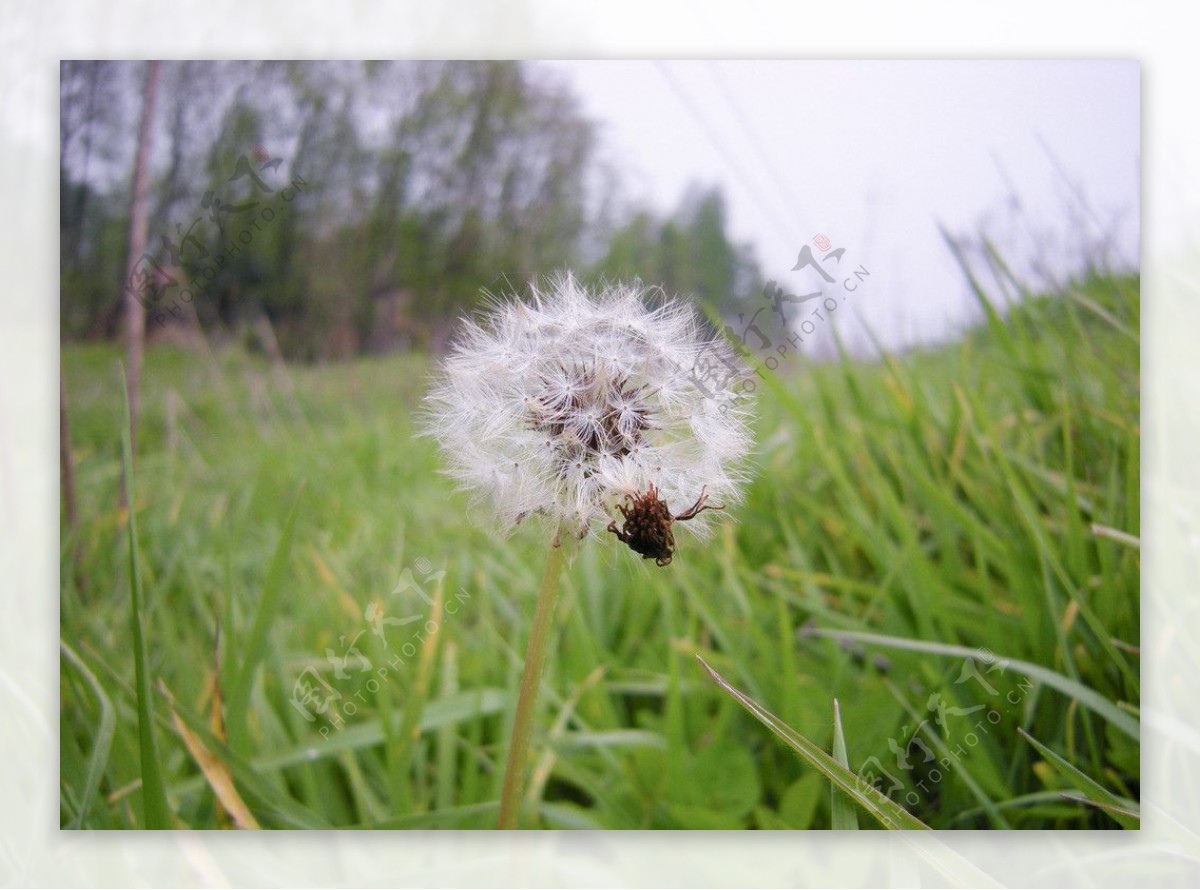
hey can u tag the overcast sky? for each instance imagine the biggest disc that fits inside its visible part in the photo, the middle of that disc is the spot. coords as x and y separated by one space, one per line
875 155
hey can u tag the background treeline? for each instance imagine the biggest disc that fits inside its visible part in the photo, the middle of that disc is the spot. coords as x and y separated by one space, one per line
357 207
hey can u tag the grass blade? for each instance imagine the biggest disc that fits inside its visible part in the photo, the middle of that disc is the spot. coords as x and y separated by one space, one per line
156 811
414 704
889 813
102 743
270 802
1132 812
1123 810
1089 698
449 712
255 648
845 818
215 770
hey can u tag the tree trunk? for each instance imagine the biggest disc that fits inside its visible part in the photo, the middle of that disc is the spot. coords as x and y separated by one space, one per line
135 312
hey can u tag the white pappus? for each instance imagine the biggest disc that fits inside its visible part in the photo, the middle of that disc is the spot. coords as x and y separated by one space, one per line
612 407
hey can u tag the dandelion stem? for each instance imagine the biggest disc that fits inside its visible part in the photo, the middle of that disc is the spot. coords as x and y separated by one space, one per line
535 657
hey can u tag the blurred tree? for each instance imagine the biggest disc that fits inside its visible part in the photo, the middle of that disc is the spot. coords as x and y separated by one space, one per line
424 183
94 118
497 162
688 253
713 259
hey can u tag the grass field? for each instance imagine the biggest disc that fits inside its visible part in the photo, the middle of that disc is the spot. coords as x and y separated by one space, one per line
981 499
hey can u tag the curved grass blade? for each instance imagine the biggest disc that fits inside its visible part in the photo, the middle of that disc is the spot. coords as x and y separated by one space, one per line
1033 799
1089 698
438 714
102 743
1123 810
156 811
215 770
270 802
889 813
845 818
1112 809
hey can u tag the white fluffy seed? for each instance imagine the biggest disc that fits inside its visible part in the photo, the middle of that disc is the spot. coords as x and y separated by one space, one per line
565 403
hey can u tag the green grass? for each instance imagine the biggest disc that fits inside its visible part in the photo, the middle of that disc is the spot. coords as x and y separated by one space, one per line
973 498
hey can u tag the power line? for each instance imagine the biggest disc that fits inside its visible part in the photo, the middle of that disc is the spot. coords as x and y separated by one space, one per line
719 145
782 188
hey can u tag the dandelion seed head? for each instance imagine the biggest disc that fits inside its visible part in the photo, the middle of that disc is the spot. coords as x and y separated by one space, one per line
568 403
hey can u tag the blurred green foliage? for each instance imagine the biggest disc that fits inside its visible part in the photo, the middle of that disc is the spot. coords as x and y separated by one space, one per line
358 207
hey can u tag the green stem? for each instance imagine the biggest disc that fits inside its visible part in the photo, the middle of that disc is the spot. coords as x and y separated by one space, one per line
535 657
